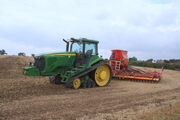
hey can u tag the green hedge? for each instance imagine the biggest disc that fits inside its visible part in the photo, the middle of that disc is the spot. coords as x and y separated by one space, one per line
171 66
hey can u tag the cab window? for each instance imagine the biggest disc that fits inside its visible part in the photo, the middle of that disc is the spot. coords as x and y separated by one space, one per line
77 47
90 48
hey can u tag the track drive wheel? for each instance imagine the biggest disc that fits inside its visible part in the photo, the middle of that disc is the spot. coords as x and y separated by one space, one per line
102 75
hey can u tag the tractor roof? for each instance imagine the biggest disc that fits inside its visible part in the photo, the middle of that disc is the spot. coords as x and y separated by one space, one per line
84 40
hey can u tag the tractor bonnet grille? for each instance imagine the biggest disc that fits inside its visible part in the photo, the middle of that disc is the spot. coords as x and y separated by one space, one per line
40 62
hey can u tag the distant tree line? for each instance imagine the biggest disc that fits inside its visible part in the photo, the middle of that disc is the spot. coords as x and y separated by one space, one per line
173 64
3 52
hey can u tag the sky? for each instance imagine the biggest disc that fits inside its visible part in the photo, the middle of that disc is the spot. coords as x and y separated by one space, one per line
145 28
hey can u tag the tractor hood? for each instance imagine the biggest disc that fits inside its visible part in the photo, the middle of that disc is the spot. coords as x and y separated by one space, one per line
46 64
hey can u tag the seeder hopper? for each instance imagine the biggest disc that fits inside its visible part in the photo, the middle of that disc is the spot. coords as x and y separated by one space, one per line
120 69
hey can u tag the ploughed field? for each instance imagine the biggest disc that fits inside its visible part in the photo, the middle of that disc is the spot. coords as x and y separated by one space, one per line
23 97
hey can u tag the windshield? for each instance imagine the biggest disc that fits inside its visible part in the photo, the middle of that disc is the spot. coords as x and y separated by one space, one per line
77 47
90 48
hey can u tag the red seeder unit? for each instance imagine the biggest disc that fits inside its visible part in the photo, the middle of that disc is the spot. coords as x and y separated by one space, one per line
120 69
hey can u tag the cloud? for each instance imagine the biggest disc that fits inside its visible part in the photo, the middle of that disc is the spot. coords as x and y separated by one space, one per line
146 28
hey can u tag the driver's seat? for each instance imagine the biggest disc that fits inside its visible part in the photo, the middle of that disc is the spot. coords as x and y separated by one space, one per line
89 52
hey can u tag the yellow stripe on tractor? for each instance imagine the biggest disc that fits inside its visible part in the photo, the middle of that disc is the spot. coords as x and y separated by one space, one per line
61 54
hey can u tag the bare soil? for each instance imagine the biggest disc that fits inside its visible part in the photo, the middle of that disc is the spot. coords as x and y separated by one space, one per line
23 97
167 112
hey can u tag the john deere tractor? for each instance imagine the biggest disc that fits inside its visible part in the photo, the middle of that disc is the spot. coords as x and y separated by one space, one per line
79 66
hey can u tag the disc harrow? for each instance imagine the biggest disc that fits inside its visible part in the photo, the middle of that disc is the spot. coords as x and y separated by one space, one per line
139 80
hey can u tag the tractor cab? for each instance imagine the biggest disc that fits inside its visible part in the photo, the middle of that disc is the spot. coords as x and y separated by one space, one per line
82 46
84 49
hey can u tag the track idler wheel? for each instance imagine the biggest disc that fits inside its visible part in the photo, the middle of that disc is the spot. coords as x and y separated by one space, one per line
75 83
102 75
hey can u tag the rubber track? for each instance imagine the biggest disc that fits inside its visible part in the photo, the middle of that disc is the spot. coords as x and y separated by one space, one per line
70 80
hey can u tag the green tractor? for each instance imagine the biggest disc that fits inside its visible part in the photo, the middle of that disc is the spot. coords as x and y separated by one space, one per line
79 66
